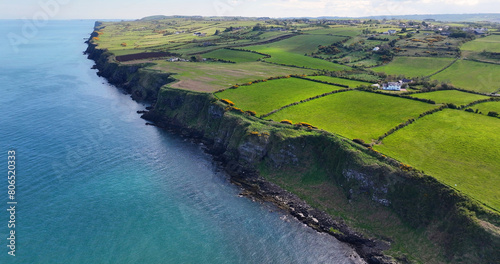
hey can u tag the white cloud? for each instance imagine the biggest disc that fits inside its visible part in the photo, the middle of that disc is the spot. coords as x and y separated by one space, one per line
453 2
379 7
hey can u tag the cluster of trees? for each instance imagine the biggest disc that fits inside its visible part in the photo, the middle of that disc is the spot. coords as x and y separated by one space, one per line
378 38
259 27
329 50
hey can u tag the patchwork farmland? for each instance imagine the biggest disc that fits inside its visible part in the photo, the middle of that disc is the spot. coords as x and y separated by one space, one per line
300 76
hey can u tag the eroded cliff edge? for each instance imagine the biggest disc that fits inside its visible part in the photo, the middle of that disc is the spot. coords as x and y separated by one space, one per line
266 158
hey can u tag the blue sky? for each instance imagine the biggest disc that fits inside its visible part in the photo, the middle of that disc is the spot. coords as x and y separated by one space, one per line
127 9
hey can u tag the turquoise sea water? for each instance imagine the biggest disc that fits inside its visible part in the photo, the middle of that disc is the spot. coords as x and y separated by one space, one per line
94 184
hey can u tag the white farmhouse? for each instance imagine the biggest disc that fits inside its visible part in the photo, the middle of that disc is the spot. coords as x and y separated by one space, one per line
392 86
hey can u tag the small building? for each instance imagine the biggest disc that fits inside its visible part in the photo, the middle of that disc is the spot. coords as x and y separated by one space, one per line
376 49
480 31
391 32
392 86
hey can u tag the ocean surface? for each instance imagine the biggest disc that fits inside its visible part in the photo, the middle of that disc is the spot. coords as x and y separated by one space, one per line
94 184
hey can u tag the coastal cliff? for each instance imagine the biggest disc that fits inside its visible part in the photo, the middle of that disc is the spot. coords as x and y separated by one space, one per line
296 167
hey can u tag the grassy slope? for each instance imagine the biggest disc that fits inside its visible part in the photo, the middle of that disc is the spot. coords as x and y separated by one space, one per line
450 96
471 75
490 44
414 66
354 114
376 221
267 96
210 77
460 149
350 83
232 55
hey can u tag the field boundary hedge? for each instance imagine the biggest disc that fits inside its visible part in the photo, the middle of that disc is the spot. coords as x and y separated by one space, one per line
409 122
303 101
405 95
480 61
492 99
249 44
444 88
446 67
255 81
323 82
266 56
451 106
293 66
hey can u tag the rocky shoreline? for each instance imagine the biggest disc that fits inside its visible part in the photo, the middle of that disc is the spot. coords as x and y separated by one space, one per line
258 188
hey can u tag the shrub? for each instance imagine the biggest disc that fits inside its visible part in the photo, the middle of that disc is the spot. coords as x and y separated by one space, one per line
226 101
304 124
493 114
250 112
405 167
452 106
361 142
236 109
286 121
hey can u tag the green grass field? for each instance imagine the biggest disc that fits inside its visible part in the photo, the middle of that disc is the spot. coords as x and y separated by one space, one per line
288 58
292 51
210 76
451 96
471 75
266 96
458 148
489 44
336 30
414 66
335 80
301 44
354 114
232 55
487 107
